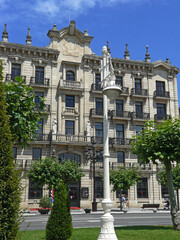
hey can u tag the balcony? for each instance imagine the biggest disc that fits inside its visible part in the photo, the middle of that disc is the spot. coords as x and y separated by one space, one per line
120 114
94 112
97 140
140 116
120 141
162 117
42 137
161 94
69 111
125 91
96 87
139 92
72 139
9 77
72 85
39 82
143 167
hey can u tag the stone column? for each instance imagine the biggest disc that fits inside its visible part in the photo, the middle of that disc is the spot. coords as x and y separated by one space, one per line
81 127
59 113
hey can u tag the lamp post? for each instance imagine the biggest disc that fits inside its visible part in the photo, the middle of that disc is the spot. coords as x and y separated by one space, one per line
93 155
112 91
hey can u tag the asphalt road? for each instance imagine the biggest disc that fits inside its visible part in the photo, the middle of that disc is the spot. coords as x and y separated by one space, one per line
38 222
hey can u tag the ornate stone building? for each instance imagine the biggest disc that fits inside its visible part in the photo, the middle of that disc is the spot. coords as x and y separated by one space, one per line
67 74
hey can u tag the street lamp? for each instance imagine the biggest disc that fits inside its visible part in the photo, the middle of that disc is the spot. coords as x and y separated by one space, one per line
112 91
93 155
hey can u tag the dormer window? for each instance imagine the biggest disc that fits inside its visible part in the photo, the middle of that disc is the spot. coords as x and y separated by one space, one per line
70 76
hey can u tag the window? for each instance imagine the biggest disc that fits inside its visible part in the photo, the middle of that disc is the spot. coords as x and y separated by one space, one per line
161 109
123 193
99 132
160 88
99 187
120 131
70 76
138 89
142 188
35 191
69 156
99 106
98 82
119 108
138 129
164 191
38 100
39 77
39 131
15 70
69 127
120 157
138 107
119 80
14 152
36 153
69 101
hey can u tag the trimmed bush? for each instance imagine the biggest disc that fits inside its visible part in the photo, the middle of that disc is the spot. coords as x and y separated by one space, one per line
59 225
45 202
10 190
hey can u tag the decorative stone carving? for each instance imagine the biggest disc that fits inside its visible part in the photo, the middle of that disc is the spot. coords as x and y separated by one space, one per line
54 126
88 129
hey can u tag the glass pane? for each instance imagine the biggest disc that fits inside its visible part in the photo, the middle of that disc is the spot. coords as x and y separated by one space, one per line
69 127
69 101
36 154
35 191
142 188
99 187
120 157
70 76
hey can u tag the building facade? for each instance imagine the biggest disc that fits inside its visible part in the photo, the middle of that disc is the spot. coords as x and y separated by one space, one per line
67 74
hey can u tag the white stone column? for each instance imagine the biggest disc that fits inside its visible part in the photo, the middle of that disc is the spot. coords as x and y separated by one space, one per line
81 115
59 113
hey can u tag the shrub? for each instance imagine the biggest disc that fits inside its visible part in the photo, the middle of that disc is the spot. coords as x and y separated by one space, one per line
59 225
45 202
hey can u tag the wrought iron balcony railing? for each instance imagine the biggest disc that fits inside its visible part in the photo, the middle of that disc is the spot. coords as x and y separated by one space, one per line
96 87
139 92
140 115
125 90
42 137
162 117
120 141
37 81
120 114
164 94
71 138
96 111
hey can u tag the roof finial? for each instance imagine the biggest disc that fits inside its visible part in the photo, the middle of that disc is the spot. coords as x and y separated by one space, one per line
147 58
168 61
5 34
108 49
86 33
126 53
28 38
54 28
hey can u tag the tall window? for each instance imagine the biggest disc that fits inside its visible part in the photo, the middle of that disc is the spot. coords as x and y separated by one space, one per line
138 129
98 82
70 76
69 101
119 107
119 80
39 131
35 191
15 70
161 109
138 107
120 157
36 153
164 191
99 106
99 187
138 89
38 100
39 77
160 88
120 131
99 132
69 127
69 156
142 188
14 152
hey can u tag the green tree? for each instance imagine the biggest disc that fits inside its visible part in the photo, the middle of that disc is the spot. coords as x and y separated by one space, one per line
123 179
10 189
23 112
49 171
161 142
162 179
59 225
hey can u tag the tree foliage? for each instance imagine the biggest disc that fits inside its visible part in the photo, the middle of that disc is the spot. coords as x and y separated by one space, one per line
59 225
10 189
124 178
161 143
49 171
23 112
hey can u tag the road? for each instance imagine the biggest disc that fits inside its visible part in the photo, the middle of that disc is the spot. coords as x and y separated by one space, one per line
38 222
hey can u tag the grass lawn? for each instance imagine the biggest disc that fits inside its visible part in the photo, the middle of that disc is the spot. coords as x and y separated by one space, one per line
124 233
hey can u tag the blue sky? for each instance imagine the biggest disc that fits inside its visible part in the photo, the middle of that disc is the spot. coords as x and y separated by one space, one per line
137 22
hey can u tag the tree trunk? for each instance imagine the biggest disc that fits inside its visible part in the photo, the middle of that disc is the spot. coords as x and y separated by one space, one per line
174 212
177 193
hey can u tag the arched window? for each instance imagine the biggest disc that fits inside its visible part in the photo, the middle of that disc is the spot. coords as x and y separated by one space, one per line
70 76
69 156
